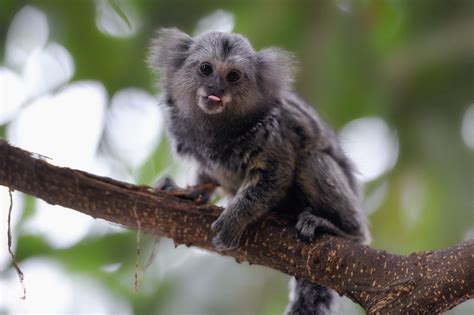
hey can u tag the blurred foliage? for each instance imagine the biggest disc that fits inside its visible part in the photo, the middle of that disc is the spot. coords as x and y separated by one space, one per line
409 62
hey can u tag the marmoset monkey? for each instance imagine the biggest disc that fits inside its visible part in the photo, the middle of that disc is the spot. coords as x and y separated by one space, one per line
232 110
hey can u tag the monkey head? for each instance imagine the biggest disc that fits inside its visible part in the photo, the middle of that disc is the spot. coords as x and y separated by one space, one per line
218 73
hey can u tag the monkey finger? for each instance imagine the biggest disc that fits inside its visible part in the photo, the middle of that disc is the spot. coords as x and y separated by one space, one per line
216 226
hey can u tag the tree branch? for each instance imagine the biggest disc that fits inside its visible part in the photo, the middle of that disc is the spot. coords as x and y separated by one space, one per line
425 282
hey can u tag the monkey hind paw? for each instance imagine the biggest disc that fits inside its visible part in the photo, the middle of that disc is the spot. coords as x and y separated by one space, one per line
311 226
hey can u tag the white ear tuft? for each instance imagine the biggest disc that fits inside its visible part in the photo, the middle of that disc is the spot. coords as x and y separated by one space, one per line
168 50
276 69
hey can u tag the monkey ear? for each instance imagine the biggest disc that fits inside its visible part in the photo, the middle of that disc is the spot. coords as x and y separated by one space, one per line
168 50
275 70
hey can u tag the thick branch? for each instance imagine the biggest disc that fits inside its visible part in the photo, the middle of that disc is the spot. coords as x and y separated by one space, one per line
424 282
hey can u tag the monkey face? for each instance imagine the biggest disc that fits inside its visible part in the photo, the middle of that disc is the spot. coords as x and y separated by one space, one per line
224 73
219 73
221 88
214 93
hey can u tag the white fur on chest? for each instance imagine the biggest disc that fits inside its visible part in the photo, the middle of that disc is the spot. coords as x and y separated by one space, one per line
228 179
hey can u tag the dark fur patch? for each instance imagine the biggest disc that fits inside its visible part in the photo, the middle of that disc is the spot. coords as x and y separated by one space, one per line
179 60
226 47
184 45
169 101
302 135
179 147
182 52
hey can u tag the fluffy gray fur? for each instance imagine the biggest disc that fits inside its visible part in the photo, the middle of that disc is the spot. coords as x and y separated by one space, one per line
261 143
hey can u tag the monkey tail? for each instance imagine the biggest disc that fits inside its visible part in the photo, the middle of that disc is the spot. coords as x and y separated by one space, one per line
308 298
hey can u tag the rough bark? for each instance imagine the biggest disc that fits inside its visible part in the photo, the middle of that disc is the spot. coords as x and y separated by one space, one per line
382 283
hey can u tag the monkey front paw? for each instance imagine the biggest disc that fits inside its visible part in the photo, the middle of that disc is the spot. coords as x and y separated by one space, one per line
228 234
198 194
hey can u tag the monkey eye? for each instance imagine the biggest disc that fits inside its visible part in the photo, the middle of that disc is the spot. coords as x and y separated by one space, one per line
233 76
206 69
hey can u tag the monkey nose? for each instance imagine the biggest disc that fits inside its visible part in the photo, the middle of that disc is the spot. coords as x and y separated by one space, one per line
216 90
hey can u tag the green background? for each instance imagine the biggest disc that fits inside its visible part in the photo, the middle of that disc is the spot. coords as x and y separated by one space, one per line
408 62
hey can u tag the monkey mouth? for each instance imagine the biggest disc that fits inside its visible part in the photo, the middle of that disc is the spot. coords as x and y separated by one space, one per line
212 104
214 100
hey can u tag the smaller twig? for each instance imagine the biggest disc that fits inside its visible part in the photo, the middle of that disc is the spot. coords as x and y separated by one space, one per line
139 225
9 236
